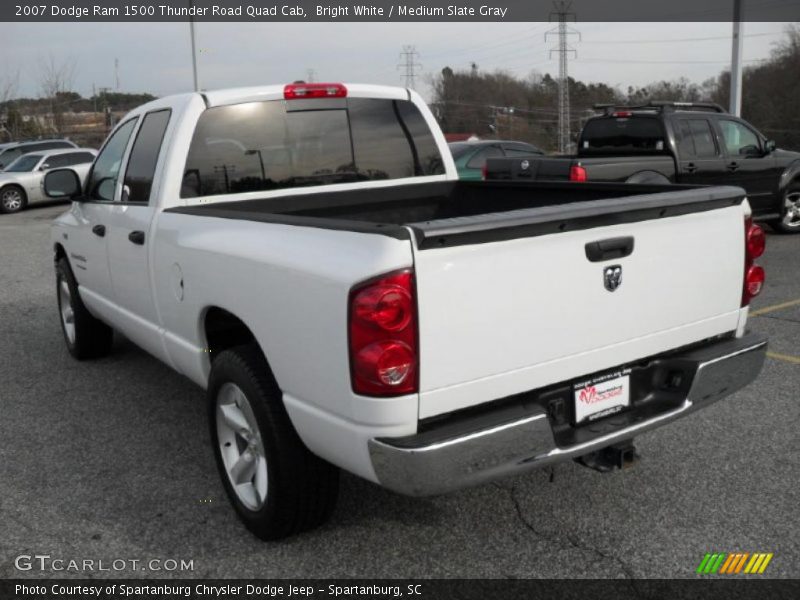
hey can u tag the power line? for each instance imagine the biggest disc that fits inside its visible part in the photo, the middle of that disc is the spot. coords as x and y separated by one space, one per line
689 39
667 62
408 58
516 38
563 14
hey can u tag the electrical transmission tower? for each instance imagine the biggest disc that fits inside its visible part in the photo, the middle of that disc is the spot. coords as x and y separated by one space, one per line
311 75
563 15
409 64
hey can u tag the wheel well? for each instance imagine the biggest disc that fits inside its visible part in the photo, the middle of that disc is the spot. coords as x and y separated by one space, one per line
224 330
59 252
15 185
648 177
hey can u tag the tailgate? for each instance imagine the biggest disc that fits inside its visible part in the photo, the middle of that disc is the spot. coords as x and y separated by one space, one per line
531 168
510 302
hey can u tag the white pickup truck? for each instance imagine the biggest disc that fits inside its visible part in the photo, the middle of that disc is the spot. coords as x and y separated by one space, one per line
307 255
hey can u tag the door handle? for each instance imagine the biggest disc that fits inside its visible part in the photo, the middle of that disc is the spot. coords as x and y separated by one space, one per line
619 247
733 166
137 237
691 168
99 230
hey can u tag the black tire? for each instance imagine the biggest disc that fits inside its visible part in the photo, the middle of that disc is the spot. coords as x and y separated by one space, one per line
781 225
12 199
301 488
90 337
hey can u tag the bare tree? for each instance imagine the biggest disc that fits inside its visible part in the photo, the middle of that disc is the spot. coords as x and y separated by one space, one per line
8 91
55 79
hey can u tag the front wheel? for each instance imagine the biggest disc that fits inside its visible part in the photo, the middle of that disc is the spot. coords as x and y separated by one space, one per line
790 211
277 486
85 336
12 199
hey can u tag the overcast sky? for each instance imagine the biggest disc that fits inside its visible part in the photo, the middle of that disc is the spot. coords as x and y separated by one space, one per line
155 57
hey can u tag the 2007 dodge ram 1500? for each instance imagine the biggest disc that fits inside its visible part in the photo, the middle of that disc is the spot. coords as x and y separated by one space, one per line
681 142
307 254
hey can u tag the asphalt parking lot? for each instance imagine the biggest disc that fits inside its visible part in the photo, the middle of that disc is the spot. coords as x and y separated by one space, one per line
111 459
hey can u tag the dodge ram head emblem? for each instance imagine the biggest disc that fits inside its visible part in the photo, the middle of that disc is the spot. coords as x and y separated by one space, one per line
612 277
524 165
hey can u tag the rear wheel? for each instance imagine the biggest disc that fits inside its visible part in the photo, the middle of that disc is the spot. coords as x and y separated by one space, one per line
85 336
277 486
12 199
790 211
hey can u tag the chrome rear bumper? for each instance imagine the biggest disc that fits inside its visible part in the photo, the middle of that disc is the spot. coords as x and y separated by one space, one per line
434 463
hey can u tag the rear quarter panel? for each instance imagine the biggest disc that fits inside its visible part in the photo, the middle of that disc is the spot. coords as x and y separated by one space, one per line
290 286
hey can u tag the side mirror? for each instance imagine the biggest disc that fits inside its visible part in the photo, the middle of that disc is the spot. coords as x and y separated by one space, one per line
750 151
44 167
62 184
770 146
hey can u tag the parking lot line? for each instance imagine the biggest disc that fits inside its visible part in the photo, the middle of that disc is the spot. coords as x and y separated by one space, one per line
774 307
784 357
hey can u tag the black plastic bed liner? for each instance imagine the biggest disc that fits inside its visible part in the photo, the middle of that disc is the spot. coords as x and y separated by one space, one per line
452 213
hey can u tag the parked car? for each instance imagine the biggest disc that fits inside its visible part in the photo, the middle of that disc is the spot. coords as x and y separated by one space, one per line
12 151
682 142
307 254
470 157
21 181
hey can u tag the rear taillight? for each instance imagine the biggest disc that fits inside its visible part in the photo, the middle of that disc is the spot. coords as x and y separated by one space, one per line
622 114
577 173
383 336
754 281
756 240
754 276
296 91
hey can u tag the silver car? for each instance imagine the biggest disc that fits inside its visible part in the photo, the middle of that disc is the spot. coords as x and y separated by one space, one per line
21 181
13 150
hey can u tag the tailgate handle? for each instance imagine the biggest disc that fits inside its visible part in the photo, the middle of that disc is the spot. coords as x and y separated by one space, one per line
619 247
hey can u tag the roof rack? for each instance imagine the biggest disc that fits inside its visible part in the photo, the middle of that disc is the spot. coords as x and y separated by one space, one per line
660 106
712 106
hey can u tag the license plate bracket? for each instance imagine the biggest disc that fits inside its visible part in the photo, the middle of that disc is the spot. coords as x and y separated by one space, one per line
601 396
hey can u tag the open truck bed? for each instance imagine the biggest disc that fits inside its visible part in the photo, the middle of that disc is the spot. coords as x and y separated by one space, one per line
461 212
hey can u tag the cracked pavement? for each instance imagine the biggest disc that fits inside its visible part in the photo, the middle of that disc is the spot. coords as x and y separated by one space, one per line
111 459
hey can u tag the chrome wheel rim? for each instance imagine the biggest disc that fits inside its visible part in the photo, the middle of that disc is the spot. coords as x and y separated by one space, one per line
67 312
241 446
791 209
12 199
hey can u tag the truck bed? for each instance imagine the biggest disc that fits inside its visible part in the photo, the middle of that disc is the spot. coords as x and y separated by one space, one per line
462 212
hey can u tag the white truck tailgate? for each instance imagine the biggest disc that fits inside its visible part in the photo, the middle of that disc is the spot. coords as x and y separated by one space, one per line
497 318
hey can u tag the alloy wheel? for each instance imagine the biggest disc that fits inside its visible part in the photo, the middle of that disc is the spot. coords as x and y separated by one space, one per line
12 200
241 446
67 312
791 209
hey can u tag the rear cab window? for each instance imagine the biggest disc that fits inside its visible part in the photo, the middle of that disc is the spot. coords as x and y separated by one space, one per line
274 145
623 135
